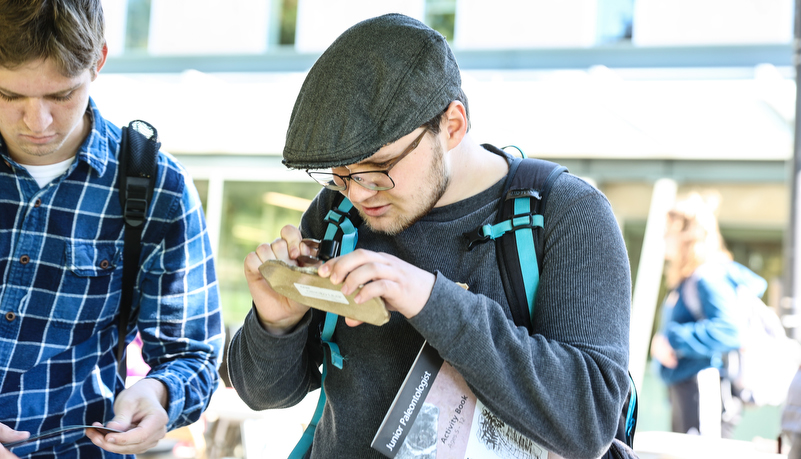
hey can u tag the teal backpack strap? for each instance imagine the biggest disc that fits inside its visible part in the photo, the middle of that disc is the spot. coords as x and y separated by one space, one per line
304 444
630 414
520 214
340 238
339 223
524 238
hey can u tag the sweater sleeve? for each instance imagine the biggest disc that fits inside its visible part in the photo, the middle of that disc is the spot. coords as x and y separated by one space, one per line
270 371
179 315
564 385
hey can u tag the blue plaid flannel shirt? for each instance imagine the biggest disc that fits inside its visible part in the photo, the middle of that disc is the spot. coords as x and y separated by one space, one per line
61 265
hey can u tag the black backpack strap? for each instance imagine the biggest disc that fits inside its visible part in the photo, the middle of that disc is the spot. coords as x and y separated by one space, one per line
138 164
525 194
523 203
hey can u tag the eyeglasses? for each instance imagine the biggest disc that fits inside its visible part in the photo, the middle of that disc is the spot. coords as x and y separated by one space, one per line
372 180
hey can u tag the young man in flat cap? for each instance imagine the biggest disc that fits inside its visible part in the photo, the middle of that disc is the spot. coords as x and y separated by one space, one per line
382 113
61 256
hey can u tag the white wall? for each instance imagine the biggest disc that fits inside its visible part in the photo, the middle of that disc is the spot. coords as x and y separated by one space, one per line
712 22
115 13
511 24
208 26
320 22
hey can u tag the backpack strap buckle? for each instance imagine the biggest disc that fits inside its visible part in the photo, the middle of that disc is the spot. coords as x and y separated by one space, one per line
486 233
522 221
336 216
135 211
475 237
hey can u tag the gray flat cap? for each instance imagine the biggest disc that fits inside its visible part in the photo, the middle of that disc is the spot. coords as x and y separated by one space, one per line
380 80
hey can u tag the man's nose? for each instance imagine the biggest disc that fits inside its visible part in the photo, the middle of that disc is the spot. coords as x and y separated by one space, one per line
37 115
358 193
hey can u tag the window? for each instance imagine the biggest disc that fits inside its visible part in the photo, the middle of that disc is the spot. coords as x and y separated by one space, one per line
441 16
253 213
288 17
137 26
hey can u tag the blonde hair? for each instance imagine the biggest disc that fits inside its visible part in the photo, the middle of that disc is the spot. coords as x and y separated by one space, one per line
693 222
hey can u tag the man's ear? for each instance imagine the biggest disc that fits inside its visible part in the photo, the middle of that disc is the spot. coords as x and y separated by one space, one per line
455 124
100 62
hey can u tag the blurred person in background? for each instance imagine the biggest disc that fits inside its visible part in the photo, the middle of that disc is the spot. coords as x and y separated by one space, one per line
791 417
61 249
700 323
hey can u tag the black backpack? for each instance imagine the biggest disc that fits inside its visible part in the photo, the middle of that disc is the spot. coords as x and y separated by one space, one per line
516 230
138 166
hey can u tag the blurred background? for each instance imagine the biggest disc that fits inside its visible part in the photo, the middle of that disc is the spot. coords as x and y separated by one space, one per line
645 99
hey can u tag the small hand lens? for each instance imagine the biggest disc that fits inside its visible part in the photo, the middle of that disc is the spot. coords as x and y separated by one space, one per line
323 250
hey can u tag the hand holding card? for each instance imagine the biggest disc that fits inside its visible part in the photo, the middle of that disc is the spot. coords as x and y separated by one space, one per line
55 432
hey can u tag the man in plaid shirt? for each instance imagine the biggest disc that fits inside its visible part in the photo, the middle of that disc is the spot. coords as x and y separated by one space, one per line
61 245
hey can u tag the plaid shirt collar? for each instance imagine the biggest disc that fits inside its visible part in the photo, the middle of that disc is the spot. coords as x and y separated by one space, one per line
94 150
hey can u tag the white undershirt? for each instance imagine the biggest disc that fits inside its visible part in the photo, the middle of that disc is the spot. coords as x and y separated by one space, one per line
45 174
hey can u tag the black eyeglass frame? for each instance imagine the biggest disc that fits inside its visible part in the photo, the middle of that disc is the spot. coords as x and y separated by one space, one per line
321 177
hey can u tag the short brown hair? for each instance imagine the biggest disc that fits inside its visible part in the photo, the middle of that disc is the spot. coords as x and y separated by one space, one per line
69 32
433 125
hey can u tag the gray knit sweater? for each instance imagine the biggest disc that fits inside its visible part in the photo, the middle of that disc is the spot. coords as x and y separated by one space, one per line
564 386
